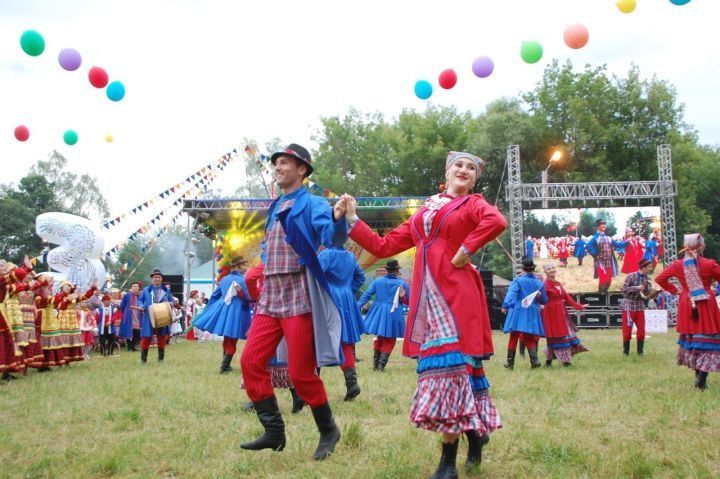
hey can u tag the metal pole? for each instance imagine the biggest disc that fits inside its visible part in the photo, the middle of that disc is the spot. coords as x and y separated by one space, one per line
544 181
188 242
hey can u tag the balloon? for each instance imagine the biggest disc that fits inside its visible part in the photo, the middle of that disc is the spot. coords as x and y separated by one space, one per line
423 89
626 6
115 91
69 59
483 67
679 3
448 78
32 43
22 133
576 35
109 138
80 244
98 77
70 137
531 52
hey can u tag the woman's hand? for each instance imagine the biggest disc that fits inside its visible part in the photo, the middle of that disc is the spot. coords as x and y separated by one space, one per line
460 259
402 292
340 208
351 206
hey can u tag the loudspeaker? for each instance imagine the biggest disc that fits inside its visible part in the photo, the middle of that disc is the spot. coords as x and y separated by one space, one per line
176 284
615 320
592 320
614 299
593 300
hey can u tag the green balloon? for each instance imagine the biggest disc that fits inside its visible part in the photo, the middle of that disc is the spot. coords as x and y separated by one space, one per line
531 52
32 43
70 137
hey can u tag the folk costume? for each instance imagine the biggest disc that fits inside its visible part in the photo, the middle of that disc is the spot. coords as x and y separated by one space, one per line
601 247
529 247
52 338
562 342
579 250
563 253
698 320
228 312
150 295
636 290
345 277
295 303
10 355
71 337
385 318
633 253
449 338
651 250
108 318
131 320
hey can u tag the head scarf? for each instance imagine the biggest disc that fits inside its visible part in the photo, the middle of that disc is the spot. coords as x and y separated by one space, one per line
456 155
693 243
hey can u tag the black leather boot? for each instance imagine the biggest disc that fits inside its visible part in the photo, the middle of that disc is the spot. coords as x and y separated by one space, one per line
626 348
548 362
269 415
143 356
640 347
382 361
701 379
298 402
161 355
475 447
225 366
534 363
376 357
447 469
329 432
353 389
510 363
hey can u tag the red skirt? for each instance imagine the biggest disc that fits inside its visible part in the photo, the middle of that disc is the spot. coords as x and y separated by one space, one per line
88 338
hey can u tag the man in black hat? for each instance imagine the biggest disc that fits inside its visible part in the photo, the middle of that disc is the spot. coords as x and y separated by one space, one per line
636 290
154 293
602 248
298 223
385 318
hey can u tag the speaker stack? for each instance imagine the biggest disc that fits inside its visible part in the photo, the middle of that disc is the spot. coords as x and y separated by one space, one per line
602 310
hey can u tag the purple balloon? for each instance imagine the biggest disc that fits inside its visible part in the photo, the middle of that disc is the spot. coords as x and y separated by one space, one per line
69 59
483 67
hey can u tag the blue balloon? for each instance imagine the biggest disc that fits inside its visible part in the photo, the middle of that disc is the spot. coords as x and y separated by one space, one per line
680 2
115 91
423 89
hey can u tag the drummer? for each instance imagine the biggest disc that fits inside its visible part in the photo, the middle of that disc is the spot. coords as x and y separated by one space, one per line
153 294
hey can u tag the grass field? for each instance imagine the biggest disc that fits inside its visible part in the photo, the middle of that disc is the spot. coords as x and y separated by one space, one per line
606 416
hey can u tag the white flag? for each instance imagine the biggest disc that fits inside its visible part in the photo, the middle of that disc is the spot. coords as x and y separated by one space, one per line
528 300
396 300
232 292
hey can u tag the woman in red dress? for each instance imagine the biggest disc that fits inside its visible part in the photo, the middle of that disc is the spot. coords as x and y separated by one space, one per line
562 343
448 326
698 316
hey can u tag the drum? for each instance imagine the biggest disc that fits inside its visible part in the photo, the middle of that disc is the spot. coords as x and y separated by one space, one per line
160 315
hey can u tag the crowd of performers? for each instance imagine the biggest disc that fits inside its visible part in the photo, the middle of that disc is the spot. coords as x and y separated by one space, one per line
298 313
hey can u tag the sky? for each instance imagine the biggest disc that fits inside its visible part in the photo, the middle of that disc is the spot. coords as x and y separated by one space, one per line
202 76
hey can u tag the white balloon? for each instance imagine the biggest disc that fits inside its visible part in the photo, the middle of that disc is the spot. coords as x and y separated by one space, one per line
80 245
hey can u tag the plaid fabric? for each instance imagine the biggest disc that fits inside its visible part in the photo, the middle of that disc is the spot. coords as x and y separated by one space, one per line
433 205
441 323
604 252
631 299
285 290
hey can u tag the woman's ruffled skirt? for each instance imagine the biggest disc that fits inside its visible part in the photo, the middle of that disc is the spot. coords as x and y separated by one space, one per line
700 352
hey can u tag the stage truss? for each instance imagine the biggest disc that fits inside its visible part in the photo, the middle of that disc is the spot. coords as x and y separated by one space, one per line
601 194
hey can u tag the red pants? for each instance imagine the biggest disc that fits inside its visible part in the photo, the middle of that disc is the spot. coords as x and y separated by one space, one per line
229 346
161 341
349 353
383 344
530 340
264 335
637 317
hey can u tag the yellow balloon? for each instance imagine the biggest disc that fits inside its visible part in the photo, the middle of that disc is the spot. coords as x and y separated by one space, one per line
109 138
626 6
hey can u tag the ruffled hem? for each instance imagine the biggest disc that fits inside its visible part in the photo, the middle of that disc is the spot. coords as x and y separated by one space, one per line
707 361
700 342
488 413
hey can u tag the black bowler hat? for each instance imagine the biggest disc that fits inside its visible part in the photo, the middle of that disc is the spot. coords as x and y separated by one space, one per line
156 272
296 151
527 264
600 222
392 265
644 262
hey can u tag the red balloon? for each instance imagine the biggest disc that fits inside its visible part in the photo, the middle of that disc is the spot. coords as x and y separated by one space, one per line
576 36
22 133
98 77
448 78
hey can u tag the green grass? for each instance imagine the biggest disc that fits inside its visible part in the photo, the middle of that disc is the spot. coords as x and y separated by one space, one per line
606 416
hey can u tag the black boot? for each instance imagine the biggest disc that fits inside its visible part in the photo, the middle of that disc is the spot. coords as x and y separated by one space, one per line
376 358
298 402
269 415
626 348
143 356
225 366
522 349
353 389
510 363
161 355
640 347
701 379
382 361
534 363
329 432
548 362
475 447
447 469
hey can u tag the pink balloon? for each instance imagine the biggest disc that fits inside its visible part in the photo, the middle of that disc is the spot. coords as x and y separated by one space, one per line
576 36
22 133
69 59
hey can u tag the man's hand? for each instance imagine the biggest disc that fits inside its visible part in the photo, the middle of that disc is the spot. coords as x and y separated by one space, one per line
350 205
339 209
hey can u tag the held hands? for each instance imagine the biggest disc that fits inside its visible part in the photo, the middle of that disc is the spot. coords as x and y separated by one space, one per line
402 292
460 259
350 206
340 208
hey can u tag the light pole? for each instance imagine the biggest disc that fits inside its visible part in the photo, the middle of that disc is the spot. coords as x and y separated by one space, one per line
557 154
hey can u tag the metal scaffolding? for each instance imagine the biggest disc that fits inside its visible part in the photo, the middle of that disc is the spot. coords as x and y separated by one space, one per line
600 194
